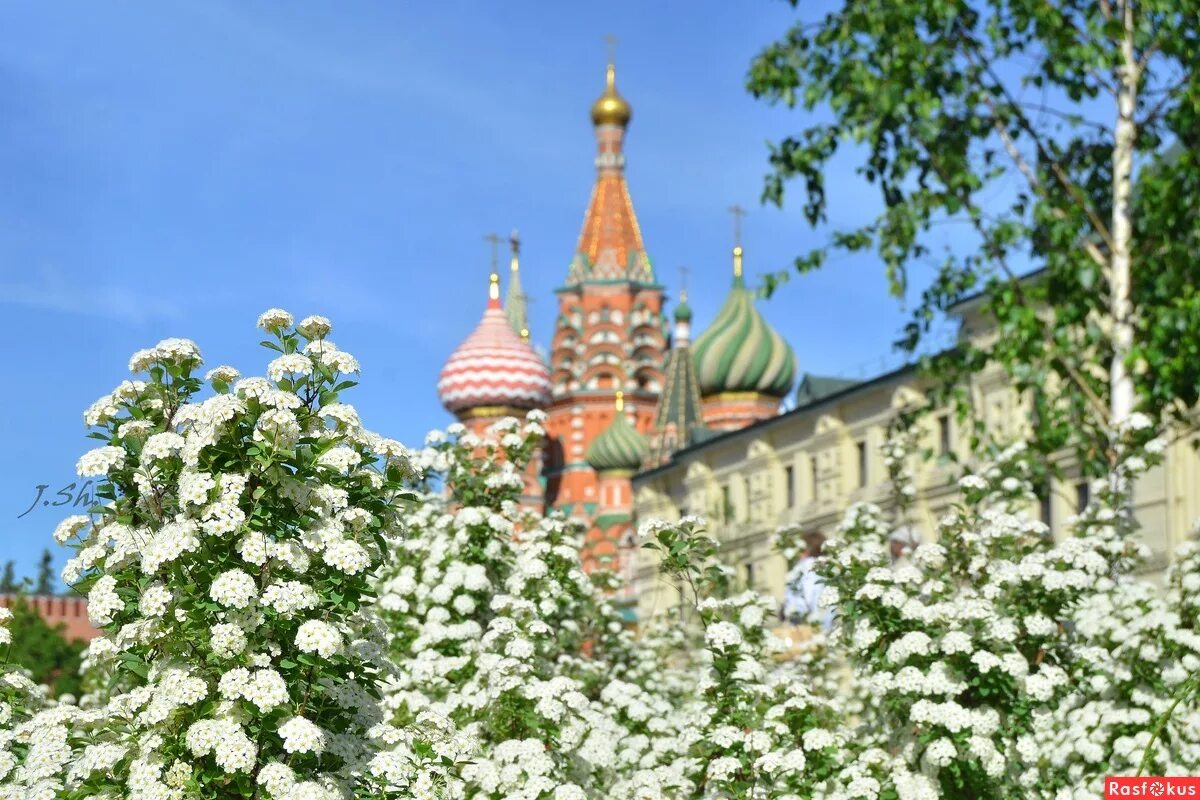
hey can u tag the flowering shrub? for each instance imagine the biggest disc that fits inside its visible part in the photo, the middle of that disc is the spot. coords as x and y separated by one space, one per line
227 568
971 649
497 631
295 608
755 730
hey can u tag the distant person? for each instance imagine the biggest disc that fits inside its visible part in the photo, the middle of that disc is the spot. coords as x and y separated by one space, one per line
802 597
901 544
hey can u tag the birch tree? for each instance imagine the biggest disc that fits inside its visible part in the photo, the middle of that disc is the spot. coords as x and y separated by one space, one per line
1010 137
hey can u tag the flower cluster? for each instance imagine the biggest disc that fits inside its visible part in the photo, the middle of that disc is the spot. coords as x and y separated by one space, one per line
227 569
295 608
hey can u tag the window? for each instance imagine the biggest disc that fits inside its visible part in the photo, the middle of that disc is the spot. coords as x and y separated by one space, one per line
1083 495
862 464
816 479
726 504
944 443
1046 510
749 574
789 485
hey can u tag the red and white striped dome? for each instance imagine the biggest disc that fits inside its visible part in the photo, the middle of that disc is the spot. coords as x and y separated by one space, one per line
494 367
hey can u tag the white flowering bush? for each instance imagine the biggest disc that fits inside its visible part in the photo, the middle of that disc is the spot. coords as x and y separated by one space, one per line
496 630
969 650
294 608
755 730
228 570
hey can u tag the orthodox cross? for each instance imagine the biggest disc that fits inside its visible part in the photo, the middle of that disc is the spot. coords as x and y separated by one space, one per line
495 242
514 242
738 212
683 276
610 43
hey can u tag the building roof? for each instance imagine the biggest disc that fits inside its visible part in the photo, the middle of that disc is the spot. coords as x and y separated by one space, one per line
716 437
815 387
610 244
678 405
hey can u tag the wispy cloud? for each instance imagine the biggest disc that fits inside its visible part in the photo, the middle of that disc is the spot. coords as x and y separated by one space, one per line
52 290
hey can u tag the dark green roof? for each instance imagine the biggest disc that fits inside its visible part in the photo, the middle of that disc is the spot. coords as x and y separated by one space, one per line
815 387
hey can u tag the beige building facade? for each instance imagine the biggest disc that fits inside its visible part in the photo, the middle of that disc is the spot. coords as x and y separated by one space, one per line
808 465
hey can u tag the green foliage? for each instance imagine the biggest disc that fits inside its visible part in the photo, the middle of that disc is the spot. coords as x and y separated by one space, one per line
44 651
45 578
997 118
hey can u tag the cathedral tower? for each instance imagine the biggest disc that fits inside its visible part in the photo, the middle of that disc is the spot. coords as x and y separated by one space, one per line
609 336
743 366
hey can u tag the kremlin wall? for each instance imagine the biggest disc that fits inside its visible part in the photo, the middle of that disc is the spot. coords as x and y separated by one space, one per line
645 422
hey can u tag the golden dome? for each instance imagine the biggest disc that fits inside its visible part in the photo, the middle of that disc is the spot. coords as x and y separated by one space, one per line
611 108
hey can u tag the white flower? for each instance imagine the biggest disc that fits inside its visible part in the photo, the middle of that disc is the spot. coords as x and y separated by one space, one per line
723 635
941 752
289 364
100 461
233 589
103 601
154 601
346 555
222 373
227 639
301 736
69 527
274 319
316 636
314 327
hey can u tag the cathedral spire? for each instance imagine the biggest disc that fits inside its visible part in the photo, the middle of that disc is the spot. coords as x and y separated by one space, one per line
494 275
678 419
610 246
514 299
738 212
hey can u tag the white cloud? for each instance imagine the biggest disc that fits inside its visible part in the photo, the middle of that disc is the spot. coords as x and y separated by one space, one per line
49 289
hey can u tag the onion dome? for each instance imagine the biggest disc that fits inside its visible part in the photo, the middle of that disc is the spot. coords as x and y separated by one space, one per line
740 352
611 108
683 312
493 369
619 447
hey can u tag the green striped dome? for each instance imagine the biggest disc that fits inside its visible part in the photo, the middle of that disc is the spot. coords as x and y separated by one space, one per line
740 352
618 447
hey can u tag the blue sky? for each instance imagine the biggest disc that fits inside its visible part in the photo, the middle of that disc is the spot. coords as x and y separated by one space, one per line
172 169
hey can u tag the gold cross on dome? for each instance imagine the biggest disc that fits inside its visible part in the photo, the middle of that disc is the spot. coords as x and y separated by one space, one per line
683 276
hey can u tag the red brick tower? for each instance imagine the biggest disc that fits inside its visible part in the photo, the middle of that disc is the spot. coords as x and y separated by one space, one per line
609 335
